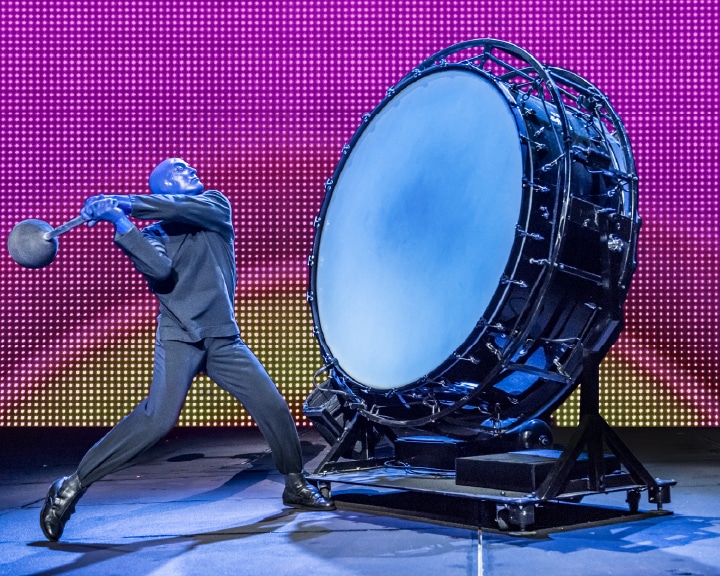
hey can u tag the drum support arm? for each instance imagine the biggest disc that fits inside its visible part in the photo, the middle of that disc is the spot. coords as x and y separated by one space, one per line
358 429
593 433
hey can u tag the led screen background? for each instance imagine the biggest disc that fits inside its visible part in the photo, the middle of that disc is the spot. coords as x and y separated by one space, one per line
260 96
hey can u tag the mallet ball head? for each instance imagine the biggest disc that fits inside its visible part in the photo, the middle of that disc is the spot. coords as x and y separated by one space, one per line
28 245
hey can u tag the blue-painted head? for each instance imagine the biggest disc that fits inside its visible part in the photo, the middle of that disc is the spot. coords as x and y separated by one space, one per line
175 176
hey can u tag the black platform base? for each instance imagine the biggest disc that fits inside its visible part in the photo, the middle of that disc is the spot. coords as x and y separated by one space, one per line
432 494
473 514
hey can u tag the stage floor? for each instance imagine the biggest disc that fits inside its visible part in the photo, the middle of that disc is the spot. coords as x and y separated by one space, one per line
208 502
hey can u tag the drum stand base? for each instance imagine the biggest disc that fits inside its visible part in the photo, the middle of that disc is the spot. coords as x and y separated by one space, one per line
520 492
487 511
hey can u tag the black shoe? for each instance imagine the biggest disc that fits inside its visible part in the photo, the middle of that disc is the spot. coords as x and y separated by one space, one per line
299 494
59 506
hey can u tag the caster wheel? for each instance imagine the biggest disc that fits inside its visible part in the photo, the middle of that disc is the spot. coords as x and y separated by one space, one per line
324 488
503 519
633 500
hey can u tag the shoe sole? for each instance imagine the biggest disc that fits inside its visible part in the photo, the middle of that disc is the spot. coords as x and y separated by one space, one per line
309 508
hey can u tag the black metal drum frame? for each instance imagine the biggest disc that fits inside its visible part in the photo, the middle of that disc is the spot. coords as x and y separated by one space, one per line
576 253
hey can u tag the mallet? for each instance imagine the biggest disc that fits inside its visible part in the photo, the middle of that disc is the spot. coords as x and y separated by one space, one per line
34 243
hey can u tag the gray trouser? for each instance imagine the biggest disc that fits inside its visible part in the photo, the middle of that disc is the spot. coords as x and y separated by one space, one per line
228 362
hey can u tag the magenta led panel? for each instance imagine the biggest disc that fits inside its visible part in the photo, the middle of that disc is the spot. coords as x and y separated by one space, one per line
260 96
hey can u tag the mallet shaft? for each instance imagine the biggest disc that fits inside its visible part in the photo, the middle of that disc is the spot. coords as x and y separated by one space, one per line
64 227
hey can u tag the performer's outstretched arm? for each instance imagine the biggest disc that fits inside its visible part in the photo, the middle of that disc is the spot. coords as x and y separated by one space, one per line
148 254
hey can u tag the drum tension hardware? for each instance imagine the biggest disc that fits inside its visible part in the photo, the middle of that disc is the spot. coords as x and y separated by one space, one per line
469 420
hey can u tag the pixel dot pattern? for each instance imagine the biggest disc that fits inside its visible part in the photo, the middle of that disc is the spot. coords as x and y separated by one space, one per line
260 96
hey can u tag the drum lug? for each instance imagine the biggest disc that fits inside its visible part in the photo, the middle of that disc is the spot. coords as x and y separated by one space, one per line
432 404
525 234
615 244
534 186
494 349
483 323
311 261
520 283
550 165
470 358
561 368
539 147
309 296
329 184
540 261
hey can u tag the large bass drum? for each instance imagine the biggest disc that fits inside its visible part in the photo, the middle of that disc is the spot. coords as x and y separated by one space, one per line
476 238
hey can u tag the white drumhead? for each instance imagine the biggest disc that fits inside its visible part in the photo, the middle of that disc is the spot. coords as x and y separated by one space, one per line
419 229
